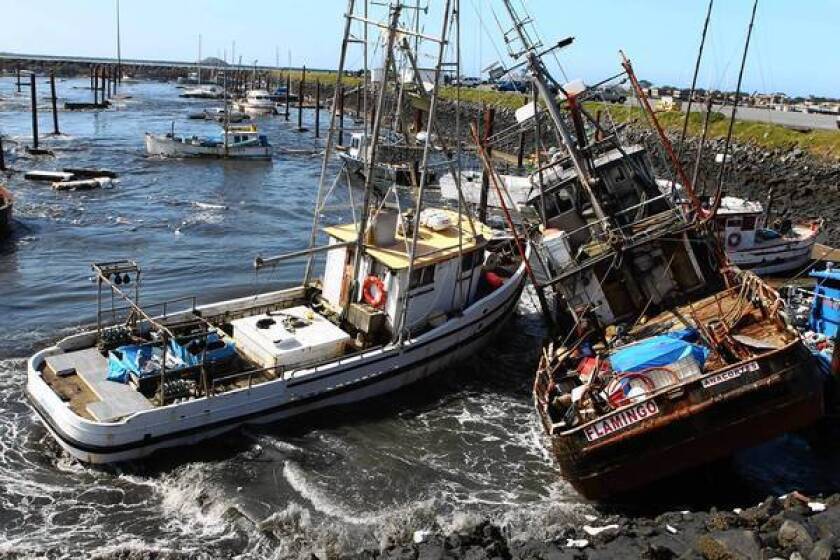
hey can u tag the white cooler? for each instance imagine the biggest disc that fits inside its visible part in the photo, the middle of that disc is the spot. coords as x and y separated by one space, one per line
277 345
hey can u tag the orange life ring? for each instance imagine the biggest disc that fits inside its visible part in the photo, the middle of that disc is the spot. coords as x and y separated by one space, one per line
734 239
373 291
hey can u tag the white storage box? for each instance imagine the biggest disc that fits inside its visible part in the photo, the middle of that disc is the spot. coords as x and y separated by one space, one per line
289 338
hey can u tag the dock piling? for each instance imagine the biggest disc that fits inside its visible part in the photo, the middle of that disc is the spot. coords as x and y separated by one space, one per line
34 111
18 78
54 104
95 84
301 87
2 157
317 108
288 89
340 116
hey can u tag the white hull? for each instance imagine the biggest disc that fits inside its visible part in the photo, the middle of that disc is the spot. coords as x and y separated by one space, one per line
778 255
166 147
343 381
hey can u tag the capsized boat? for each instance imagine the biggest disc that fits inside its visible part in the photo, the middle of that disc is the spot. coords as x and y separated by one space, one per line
666 356
236 142
403 295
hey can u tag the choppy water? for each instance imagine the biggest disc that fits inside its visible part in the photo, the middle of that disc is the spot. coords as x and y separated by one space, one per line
463 446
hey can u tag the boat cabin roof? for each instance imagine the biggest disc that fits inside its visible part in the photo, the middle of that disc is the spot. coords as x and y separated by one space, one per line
432 246
732 205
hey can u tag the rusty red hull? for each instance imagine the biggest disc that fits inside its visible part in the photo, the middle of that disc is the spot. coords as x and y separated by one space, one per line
694 425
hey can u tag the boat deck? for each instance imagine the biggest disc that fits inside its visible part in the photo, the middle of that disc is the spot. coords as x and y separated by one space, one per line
751 326
81 378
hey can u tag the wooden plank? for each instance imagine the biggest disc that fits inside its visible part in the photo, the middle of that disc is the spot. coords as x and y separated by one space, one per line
822 252
116 399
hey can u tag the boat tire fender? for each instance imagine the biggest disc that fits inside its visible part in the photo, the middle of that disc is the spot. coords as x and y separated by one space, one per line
373 292
734 239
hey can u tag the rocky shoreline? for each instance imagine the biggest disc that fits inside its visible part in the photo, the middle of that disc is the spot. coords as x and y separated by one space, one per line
793 527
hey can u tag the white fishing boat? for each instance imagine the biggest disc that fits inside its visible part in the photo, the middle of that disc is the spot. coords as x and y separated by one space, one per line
404 294
204 91
750 242
236 142
752 245
257 102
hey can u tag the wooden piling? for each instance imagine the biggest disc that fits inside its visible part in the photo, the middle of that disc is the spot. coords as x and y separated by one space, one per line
34 99
18 78
341 116
301 87
107 77
288 90
102 84
92 69
54 103
317 108
95 84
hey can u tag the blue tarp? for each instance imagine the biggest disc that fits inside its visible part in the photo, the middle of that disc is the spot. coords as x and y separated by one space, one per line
129 359
190 352
658 351
135 358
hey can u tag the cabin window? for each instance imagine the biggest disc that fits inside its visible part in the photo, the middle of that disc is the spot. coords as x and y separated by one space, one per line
355 142
734 223
748 223
472 260
422 277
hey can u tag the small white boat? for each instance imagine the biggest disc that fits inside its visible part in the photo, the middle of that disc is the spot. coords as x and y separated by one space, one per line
257 102
204 91
752 245
237 142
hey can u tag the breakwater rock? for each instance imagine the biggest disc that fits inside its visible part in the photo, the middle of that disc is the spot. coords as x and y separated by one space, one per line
791 527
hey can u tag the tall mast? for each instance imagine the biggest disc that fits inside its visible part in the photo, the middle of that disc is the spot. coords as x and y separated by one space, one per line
424 174
539 74
722 173
694 79
370 162
119 53
198 62
348 18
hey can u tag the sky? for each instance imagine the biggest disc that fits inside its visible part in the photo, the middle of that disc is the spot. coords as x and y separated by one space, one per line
794 46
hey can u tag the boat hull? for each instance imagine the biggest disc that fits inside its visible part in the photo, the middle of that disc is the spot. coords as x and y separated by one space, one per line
161 146
342 382
694 425
777 256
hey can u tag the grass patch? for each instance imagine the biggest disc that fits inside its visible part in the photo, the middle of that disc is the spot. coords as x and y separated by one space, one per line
820 142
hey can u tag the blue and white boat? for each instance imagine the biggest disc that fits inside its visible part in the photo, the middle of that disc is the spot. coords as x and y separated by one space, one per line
236 142
817 314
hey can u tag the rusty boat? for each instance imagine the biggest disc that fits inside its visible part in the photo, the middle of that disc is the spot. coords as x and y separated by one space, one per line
664 355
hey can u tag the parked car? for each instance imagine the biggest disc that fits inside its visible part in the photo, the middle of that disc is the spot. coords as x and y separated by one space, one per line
512 85
611 95
469 81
